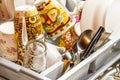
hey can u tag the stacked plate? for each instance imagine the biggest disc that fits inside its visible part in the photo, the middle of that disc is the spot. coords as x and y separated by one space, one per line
101 13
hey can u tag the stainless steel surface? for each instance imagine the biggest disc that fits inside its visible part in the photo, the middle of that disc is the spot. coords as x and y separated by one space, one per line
84 39
91 46
81 44
67 58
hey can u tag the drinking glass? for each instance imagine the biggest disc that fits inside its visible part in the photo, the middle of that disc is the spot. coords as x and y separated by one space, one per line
35 55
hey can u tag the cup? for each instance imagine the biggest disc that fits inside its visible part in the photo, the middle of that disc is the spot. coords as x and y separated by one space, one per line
68 39
6 11
8 47
27 27
35 55
54 17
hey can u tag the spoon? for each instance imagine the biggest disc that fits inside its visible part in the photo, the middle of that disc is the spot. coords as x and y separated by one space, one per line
81 44
67 58
84 41
79 47
90 48
93 43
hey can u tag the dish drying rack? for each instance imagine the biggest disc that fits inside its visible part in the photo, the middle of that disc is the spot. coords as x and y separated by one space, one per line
102 56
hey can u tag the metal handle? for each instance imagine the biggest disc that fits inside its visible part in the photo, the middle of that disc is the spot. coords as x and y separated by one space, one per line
92 43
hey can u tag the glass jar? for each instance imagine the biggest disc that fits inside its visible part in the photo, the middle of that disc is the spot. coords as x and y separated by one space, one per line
35 55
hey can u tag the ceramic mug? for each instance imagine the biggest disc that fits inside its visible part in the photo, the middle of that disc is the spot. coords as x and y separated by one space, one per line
8 47
55 17
7 11
27 27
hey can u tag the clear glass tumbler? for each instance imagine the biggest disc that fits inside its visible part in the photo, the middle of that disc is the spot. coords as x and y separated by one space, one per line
35 55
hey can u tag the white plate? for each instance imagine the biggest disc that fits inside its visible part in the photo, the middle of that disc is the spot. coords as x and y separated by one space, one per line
94 12
112 21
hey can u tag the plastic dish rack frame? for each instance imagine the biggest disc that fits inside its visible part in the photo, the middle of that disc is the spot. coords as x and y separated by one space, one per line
102 56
